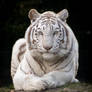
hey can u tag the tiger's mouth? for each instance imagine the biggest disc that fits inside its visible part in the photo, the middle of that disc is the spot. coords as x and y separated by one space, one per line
45 55
49 55
49 52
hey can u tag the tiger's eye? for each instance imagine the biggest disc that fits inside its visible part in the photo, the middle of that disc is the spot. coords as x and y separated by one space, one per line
36 33
40 33
55 33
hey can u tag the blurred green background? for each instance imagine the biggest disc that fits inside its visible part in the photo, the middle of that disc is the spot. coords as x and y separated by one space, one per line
14 22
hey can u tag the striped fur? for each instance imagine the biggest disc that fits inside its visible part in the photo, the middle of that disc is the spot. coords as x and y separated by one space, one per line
47 53
17 55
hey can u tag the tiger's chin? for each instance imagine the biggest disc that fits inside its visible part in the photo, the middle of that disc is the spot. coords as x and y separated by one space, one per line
48 56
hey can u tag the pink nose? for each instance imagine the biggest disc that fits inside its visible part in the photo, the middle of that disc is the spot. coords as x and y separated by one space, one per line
47 47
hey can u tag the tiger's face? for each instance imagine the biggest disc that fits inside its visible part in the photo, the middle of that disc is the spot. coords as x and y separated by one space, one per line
47 35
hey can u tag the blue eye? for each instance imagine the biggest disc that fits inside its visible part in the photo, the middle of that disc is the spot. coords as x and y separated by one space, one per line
40 33
56 33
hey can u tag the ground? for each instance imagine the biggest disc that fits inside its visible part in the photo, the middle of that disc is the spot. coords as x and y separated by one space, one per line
73 87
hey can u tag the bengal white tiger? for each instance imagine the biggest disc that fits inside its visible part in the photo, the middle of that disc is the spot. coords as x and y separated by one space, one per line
48 55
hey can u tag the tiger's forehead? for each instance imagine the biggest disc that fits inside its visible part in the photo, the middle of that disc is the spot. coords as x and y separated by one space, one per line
48 14
48 18
47 23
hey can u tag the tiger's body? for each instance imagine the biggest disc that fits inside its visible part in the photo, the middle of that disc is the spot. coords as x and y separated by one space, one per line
48 55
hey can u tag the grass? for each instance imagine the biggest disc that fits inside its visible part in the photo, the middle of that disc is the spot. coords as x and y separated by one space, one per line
6 88
77 87
73 87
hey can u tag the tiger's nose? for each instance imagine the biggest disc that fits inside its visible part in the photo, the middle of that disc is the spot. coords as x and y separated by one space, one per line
47 47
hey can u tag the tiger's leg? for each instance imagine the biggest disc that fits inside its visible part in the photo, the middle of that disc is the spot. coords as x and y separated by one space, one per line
18 79
59 78
27 81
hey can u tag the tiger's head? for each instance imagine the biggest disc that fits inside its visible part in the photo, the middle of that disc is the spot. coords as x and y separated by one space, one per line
47 34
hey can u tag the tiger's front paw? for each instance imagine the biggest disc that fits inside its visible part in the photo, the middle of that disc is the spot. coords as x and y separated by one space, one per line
35 83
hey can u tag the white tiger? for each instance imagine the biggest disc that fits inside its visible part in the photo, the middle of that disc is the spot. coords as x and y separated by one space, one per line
48 55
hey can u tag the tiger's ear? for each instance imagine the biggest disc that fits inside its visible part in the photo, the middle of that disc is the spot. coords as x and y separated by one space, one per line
63 15
33 15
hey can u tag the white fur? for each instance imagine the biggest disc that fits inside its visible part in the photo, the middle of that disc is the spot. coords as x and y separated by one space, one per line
29 75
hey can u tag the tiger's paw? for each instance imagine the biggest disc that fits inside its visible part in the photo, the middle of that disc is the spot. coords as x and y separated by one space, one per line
34 84
75 80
